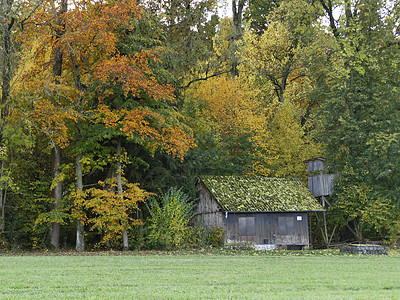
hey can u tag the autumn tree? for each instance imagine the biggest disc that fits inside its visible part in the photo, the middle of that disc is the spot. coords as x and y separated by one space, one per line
277 65
232 124
279 55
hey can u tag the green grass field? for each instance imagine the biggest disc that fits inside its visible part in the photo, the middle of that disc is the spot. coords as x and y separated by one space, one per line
199 276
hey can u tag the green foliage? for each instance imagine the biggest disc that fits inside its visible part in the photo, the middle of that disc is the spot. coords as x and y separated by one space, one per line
215 237
257 13
186 25
169 219
394 234
360 120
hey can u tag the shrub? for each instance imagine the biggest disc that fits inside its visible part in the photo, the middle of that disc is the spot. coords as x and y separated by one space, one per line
169 219
215 237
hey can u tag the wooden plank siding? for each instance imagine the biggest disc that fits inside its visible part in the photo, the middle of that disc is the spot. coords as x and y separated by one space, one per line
316 164
321 185
208 213
273 228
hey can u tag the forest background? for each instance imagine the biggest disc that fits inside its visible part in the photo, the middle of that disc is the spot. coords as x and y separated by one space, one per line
110 109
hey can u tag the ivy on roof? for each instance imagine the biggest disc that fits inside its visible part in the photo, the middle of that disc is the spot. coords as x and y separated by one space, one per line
258 193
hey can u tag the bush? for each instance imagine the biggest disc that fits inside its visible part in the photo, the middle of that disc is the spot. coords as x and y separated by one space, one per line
169 219
215 237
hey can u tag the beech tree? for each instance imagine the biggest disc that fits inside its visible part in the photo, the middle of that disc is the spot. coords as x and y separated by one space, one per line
277 66
89 63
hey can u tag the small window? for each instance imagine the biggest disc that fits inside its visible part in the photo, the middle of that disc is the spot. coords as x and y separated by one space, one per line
286 225
247 226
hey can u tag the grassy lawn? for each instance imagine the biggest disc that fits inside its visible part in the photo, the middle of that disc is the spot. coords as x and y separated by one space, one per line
199 276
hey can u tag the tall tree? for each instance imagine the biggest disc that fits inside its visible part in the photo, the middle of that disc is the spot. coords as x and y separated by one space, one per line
280 54
188 28
231 122
56 151
13 16
277 65
360 116
131 103
7 24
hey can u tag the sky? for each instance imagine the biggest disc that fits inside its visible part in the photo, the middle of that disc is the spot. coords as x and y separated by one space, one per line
225 8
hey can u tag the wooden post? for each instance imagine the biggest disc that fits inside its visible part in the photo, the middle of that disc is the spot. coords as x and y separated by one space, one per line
326 238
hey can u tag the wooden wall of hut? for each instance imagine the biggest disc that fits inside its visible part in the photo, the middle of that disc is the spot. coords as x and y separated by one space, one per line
267 228
208 213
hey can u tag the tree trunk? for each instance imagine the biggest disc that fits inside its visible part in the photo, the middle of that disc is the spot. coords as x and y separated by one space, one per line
57 195
328 7
7 23
348 13
2 204
6 66
237 33
57 72
125 240
237 14
80 240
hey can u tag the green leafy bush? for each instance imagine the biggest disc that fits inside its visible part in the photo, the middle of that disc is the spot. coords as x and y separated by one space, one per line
215 236
168 225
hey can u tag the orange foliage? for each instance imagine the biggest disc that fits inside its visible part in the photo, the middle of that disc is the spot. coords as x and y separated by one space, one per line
90 32
136 76
51 119
148 128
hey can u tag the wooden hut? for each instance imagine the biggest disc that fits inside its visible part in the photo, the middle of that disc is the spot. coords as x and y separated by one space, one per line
268 212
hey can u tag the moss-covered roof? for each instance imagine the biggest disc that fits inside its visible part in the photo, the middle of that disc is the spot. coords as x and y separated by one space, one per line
260 194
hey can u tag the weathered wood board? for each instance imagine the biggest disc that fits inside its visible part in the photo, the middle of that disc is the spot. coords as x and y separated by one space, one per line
321 185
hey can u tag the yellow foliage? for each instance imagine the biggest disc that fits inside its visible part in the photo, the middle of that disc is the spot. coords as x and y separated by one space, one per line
268 101
235 113
293 146
273 67
106 211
